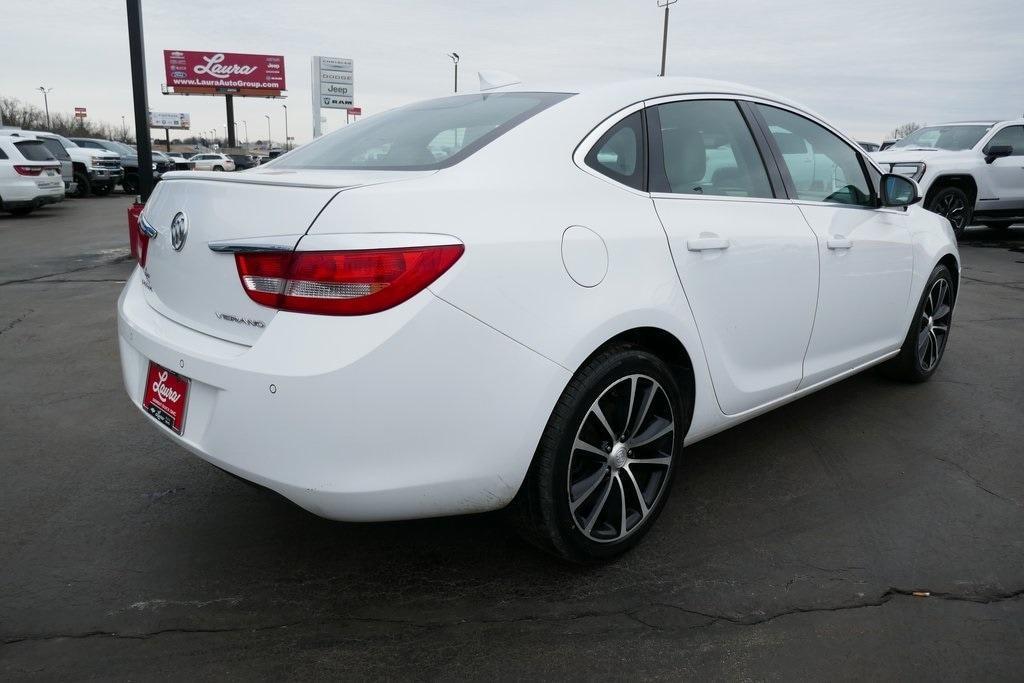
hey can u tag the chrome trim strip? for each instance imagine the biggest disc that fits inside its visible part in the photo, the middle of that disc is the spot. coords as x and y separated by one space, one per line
146 229
240 248
351 241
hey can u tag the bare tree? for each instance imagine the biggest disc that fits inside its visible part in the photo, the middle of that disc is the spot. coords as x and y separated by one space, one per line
30 117
903 130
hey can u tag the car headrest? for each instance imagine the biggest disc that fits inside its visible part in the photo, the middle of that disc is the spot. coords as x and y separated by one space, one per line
728 175
685 157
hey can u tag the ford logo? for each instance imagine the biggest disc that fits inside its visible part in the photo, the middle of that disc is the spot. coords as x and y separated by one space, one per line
179 230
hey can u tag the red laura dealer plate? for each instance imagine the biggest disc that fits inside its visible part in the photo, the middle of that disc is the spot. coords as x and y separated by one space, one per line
166 396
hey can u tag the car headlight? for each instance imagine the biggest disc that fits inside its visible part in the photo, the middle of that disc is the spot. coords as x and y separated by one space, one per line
154 166
914 171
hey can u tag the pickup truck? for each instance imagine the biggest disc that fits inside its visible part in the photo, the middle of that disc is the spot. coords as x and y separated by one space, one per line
969 172
129 161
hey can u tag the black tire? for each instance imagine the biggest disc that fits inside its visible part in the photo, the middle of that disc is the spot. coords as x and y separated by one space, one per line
218 168
21 210
102 190
607 517
916 362
84 188
954 205
130 185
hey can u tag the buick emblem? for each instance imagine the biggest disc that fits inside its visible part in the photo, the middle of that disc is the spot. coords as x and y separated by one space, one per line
179 230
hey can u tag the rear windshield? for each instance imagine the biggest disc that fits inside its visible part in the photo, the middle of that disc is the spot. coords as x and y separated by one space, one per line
422 136
953 138
34 150
56 149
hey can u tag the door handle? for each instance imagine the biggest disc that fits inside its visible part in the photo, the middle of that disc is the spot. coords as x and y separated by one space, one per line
838 242
707 243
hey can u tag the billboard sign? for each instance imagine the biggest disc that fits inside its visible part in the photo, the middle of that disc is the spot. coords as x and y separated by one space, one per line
333 86
162 119
213 73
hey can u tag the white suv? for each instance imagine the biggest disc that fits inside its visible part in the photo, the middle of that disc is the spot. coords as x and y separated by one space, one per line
29 175
213 162
971 172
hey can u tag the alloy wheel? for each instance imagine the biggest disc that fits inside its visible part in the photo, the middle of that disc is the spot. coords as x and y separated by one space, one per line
621 458
953 208
934 324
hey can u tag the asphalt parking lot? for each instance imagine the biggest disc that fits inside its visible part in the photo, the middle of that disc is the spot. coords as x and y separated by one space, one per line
792 546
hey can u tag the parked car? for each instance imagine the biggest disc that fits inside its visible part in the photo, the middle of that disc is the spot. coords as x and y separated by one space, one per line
243 161
30 176
868 146
886 144
526 298
129 161
181 162
967 172
96 171
67 170
213 162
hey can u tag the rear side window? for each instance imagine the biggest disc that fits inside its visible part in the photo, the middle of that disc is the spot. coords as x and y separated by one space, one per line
3 154
34 150
56 149
704 147
1012 136
619 154
422 136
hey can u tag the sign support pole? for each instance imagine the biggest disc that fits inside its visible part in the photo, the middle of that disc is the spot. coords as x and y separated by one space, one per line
315 82
167 136
229 102
137 51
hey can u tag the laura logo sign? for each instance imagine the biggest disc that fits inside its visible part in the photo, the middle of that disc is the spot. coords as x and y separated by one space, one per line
185 69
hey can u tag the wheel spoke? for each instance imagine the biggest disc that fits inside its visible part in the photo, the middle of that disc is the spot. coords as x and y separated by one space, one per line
581 445
922 341
644 407
632 396
636 487
597 478
942 311
665 460
599 507
622 498
654 433
599 414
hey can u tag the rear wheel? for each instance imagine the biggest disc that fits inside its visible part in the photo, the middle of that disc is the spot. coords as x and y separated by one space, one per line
84 187
925 342
218 168
954 205
604 465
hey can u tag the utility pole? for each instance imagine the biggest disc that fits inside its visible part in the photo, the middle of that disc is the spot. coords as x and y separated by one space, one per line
664 36
287 144
46 103
143 142
267 116
245 128
455 60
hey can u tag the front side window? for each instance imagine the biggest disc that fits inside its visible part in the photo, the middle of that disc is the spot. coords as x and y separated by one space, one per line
619 154
1012 136
422 136
822 166
704 147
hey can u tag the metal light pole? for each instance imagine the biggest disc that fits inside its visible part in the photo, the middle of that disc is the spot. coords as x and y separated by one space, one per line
245 127
143 140
267 117
455 60
287 144
664 37
124 128
46 102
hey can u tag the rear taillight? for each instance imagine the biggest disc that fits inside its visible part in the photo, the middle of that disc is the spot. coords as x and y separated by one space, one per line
342 282
29 170
139 233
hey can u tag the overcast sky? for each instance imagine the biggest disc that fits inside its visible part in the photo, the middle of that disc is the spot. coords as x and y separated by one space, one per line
866 66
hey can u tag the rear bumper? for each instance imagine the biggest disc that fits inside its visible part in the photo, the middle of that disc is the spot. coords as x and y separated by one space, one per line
419 411
31 197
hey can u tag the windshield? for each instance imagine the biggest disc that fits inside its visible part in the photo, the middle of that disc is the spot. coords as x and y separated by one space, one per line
953 138
121 148
422 136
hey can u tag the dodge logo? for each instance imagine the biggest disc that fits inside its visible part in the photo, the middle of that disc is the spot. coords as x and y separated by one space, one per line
179 230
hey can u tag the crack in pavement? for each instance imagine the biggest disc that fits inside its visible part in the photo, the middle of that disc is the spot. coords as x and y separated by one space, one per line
751 620
10 326
118 259
978 482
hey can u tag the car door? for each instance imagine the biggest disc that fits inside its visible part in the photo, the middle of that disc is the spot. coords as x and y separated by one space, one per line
746 258
1006 174
865 252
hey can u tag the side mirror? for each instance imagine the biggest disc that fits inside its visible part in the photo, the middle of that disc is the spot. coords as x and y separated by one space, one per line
997 152
899 190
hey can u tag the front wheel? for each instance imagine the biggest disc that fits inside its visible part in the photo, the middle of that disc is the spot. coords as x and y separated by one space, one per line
130 185
926 339
218 168
84 187
954 205
604 465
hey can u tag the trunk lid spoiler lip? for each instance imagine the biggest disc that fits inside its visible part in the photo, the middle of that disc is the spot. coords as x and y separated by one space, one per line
281 178
344 241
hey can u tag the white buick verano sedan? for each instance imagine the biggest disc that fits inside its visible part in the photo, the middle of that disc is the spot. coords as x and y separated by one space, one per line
525 297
